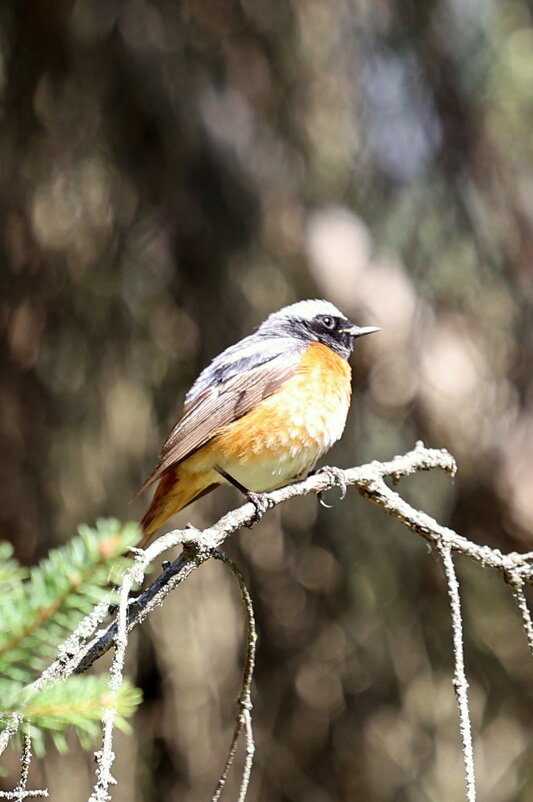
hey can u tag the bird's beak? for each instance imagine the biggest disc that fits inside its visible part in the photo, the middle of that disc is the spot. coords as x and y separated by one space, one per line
360 331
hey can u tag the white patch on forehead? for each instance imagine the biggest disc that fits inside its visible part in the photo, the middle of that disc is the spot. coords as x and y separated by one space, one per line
307 310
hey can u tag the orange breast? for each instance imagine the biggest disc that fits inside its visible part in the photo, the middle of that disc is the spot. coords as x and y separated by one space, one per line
303 418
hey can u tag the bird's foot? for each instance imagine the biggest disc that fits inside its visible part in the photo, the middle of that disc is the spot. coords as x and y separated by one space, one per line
262 503
336 477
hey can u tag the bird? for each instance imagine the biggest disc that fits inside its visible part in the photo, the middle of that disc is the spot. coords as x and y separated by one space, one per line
261 414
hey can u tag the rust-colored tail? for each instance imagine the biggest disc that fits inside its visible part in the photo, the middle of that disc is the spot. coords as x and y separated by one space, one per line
176 490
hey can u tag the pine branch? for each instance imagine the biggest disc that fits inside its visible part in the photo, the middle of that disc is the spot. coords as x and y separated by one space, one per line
75 704
78 653
198 546
37 614
369 480
11 573
38 609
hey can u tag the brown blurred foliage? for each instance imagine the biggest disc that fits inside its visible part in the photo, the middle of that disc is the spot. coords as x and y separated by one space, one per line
169 174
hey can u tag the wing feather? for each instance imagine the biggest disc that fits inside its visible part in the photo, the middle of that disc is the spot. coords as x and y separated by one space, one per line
217 406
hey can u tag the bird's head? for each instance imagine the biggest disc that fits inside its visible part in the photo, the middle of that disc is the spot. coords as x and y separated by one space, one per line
316 321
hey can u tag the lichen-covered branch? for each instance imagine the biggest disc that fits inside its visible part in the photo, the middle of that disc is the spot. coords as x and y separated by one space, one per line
243 720
460 682
106 756
79 652
21 792
517 585
198 546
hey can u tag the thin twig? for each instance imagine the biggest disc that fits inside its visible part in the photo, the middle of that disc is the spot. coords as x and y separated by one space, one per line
25 761
460 683
21 792
243 720
105 756
250 752
517 586
11 729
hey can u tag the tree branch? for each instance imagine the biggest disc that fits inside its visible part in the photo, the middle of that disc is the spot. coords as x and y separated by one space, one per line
198 546
517 585
105 756
76 655
244 716
21 792
460 683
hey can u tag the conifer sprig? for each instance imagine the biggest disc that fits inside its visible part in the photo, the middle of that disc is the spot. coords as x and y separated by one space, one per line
39 609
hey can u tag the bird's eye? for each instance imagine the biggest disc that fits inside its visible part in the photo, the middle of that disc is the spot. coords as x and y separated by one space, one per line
329 322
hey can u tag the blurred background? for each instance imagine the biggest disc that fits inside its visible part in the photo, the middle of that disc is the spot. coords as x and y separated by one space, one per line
170 173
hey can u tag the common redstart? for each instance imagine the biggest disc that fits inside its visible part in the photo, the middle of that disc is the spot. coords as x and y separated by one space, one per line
262 413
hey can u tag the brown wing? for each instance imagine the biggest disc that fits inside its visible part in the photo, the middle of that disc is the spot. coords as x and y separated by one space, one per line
219 406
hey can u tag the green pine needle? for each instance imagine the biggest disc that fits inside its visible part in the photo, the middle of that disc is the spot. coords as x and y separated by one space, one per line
11 573
78 702
39 609
36 615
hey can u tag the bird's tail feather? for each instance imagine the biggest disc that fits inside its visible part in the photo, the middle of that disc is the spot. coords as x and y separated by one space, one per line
174 492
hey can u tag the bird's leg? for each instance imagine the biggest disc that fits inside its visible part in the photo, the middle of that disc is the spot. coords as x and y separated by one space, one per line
336 477
261 501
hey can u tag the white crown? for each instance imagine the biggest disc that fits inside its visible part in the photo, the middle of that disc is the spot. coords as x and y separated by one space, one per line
306 310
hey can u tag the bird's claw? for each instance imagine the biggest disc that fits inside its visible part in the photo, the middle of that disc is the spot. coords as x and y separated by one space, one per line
322 501
336 477
262 503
